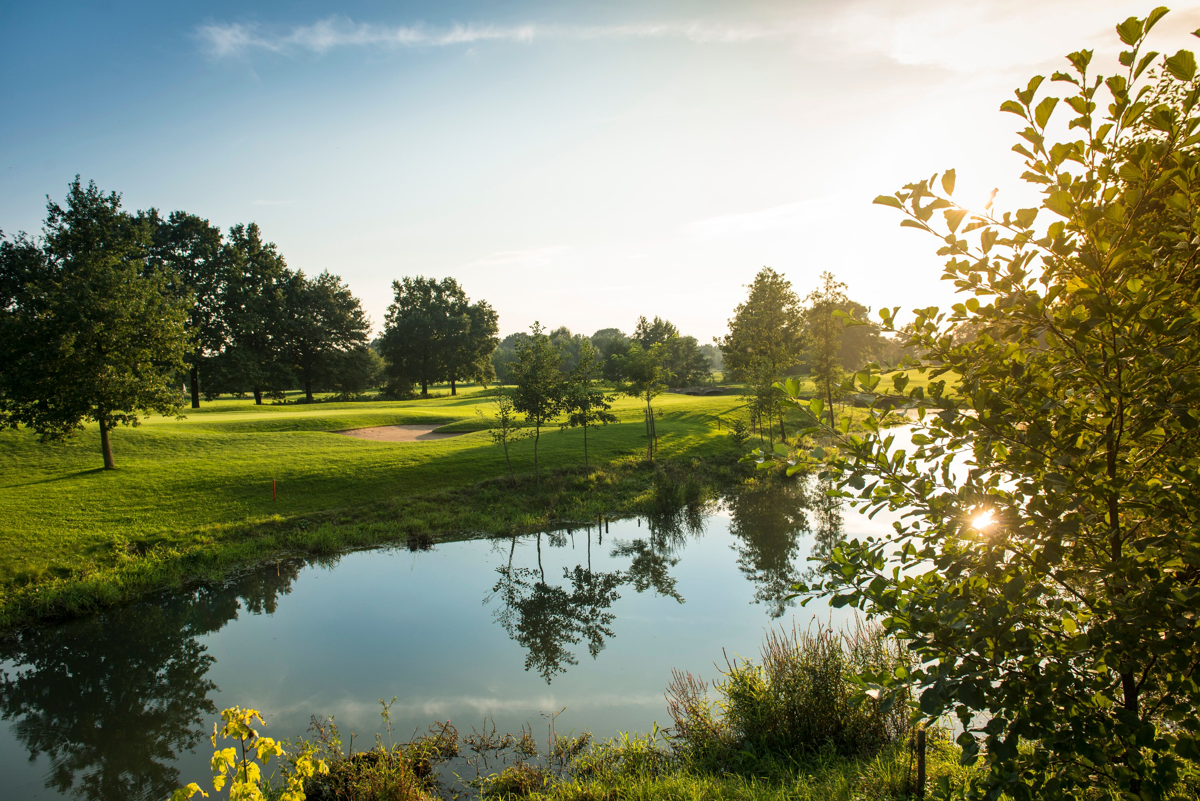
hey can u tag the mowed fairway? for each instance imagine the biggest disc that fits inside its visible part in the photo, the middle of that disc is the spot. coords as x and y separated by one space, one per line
191 480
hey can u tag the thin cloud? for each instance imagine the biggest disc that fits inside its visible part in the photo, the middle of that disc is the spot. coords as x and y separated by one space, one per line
229 40
536 257
788 215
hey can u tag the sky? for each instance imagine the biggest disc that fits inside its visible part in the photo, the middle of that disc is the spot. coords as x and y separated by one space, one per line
577 164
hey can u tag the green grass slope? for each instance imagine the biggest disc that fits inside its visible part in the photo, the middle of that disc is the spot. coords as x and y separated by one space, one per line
208 477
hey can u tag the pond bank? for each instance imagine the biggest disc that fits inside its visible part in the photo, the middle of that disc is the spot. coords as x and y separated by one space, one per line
488 508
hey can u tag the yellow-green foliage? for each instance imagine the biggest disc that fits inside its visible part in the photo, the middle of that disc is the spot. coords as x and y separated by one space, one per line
241 766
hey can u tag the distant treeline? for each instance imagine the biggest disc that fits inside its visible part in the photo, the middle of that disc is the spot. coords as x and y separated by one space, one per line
685 362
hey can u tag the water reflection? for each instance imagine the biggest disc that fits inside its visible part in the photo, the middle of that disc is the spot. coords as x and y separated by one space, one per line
114 699
769 519
545 619
105 707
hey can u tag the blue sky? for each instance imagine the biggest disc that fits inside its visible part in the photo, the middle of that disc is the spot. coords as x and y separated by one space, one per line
579 164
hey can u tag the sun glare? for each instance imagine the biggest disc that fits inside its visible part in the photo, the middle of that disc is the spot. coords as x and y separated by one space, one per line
983 520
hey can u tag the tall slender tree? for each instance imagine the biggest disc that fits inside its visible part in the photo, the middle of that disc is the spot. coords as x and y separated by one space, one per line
646 379
825 324
90 329
539 383
586 403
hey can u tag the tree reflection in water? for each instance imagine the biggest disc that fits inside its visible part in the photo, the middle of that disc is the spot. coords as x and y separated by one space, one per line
545 619
768 519
113 699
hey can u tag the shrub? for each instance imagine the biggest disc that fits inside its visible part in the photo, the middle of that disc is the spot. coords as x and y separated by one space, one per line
803 699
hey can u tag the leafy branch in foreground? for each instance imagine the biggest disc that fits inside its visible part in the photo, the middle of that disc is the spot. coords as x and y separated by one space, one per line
1046 570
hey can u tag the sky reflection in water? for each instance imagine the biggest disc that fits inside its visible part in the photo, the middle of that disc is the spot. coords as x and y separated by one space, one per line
118 706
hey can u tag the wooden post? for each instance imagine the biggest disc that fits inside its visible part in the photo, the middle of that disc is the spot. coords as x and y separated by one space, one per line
272 489
921 762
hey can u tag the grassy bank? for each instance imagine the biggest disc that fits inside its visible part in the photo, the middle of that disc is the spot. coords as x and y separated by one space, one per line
192 498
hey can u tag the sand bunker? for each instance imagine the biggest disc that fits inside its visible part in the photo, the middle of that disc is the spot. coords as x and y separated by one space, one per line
398 433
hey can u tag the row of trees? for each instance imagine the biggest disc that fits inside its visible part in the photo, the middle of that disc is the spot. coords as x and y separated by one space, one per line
104 314
685 362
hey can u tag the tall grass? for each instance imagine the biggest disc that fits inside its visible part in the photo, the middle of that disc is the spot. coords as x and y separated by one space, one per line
800 701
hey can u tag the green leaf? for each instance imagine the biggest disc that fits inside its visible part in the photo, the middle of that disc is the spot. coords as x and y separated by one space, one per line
954 217
888 200
1041 114
1130 31
817 407
948 182
1182 65
1014 107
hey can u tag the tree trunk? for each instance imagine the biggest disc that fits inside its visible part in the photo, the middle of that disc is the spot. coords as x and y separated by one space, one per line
424 389
453 386
308 390
105 445
537 473
195 384
511 479
258 397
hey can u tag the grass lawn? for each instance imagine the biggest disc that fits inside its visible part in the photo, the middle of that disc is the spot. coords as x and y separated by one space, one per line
207 478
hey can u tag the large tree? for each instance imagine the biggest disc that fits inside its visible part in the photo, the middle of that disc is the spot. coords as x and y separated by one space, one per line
254 308
766 332
434 333
471 340
765 339
191 250
1046 571
682 361
324 323
89 329
539 380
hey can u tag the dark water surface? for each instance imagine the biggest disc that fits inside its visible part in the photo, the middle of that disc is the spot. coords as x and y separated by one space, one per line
119 705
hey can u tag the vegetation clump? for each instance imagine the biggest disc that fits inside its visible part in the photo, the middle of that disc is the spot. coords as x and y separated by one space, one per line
805 698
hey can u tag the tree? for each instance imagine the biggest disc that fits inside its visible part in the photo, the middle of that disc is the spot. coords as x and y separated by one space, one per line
585 403
612 345
254 310
470 346
539 379
682 360
766 330
765 339
433 333
503 356
646 379
190 248
824 319
352 372
413 331
505 429
1047 568
324 322
90 328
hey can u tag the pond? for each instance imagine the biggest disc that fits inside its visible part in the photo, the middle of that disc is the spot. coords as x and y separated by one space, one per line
589 620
